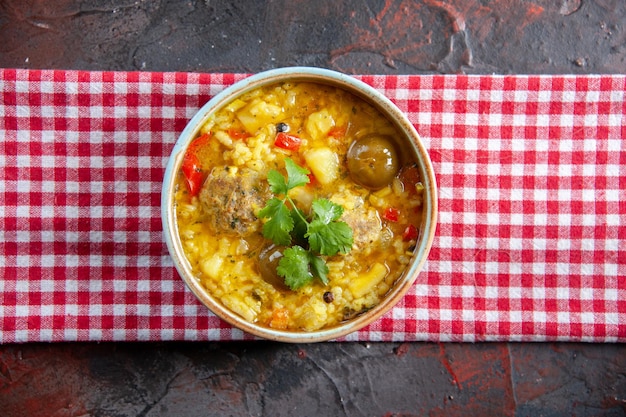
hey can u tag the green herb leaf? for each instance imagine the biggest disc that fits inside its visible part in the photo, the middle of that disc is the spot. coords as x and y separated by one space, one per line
328 236
280 224
329 239
287 225
296 175
294 267
300 227
319 268
326 211
277 182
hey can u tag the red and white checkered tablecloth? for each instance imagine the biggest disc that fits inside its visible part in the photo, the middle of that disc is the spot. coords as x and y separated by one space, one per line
530 245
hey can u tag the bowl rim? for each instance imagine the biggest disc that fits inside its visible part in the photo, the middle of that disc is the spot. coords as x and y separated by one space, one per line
358 88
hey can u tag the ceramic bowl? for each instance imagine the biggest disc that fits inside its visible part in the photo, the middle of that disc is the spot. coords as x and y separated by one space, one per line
411 146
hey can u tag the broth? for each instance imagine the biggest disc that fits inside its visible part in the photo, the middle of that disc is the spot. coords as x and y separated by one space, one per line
223 185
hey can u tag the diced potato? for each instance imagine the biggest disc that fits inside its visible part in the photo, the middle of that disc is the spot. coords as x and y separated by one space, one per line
224 139
314 313
235 105
366 282
258 114
211 266
383 192
324 163
303 196
319 124
246 307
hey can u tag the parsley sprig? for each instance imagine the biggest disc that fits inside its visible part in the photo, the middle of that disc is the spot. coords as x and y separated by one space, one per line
308 238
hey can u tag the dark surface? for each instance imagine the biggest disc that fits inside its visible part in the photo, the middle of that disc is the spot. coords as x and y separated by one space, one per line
187 379
268 379
367 36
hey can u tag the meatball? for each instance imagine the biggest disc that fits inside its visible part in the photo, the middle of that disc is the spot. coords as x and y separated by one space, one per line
231 197
366 226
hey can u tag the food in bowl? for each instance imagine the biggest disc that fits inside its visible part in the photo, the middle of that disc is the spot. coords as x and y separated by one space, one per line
297 206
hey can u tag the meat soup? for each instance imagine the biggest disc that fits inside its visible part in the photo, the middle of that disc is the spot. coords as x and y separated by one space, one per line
358 202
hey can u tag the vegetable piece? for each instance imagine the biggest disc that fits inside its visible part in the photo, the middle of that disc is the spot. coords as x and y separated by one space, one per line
248 308
391 214
318 124
235 105
410 233
280 318
258 114
338 131
324 163
211 266
288 142
366 282
268 262
303 196
323 235
238 134
194 177
373 161
191 167
312 180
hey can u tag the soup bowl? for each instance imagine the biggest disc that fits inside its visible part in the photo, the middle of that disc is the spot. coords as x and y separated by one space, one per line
340 162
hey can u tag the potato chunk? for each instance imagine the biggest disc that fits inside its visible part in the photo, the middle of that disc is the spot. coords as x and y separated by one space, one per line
258 114
324 163
319 124
368 281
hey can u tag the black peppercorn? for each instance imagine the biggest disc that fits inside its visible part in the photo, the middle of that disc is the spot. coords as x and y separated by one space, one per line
328 297
282 127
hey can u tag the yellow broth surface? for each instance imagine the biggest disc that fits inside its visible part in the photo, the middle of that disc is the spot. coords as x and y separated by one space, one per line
221 234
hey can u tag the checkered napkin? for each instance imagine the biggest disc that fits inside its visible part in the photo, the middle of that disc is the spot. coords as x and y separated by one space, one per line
530 245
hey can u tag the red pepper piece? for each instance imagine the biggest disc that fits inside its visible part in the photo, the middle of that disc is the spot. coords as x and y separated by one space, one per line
238 134
312 180
193 173
199 142
192 169
410 233
338 131
288 142
391 214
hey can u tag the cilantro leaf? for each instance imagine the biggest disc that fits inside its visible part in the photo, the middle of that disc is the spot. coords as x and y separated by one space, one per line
287 225
329 239
296 175
280 224
300 227
298 267
319 268
326 235
294 267
326 211
277 182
